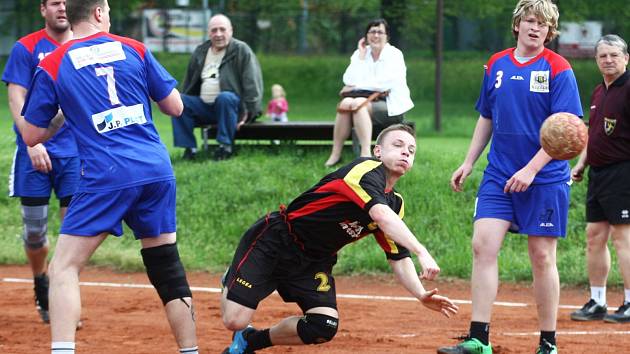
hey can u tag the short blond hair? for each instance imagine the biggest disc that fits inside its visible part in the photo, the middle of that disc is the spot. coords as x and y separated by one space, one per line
544 10
279 87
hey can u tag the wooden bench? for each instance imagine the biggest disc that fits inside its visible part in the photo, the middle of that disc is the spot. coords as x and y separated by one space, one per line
288 131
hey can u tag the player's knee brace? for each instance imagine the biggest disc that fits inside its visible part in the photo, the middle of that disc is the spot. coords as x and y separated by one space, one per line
166 272
315 328
35 220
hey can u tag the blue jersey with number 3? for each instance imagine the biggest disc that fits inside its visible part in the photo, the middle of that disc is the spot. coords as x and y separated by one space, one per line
518 98
27 52
103 84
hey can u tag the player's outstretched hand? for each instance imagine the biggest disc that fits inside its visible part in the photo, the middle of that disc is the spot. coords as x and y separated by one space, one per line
431 300
459 176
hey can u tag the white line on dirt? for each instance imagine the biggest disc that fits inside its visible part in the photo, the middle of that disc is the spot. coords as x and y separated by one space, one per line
342 296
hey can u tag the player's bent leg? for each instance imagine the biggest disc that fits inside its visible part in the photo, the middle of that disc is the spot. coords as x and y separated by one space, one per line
235 316
71 254
167 275
542 254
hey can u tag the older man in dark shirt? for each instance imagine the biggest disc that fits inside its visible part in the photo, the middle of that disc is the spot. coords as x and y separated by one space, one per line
608 196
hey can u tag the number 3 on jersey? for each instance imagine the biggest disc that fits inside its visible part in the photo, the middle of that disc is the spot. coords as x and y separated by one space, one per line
498 81
108 72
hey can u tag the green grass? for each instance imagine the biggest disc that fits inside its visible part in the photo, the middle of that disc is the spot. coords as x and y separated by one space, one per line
217 202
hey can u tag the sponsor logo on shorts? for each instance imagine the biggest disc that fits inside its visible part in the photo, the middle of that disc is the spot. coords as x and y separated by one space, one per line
119 117
609 125
539 81
243 282
517 77
545 218
625 214
353 228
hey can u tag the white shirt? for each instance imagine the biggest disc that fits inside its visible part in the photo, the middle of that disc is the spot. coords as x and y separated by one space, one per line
387 73
210 87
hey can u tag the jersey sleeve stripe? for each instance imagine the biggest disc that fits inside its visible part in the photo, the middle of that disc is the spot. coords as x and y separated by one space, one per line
353 178
318 205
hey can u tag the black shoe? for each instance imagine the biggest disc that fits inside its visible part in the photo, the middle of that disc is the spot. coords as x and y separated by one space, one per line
223 152
239 344
189 154
41 296
591 311
622 315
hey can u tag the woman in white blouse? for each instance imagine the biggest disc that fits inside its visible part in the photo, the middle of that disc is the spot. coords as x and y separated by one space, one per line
374 66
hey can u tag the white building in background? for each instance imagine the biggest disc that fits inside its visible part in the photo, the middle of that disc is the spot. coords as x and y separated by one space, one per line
577 40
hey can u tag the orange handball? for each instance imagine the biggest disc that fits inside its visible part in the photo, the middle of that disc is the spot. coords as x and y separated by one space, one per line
563 136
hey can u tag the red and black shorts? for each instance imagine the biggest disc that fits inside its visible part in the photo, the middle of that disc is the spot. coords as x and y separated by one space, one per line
608 196
268 259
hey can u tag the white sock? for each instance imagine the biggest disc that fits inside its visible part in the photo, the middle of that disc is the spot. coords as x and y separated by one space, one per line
191 350
62 348
627 299
598 293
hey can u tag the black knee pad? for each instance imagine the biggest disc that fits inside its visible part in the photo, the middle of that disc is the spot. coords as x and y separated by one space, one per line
315 328
166 272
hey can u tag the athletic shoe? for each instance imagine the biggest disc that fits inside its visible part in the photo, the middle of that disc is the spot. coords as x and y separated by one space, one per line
189 154
41 296
547 348
223 152
591 311
622 315
239 344
467 346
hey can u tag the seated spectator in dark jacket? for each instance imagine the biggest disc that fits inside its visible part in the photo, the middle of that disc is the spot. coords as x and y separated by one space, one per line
223 86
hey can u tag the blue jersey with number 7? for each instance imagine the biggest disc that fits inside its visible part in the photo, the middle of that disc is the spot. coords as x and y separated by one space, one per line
104 85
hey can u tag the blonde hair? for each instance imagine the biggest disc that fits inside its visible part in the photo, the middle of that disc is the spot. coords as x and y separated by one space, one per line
544 10
282 92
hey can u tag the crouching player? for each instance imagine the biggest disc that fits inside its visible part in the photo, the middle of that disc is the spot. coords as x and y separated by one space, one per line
294 250
103 84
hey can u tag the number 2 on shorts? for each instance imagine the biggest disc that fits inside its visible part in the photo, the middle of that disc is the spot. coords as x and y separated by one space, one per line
323 282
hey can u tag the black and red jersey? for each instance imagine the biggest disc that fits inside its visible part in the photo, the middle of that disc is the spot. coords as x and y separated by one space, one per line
334 212
609 123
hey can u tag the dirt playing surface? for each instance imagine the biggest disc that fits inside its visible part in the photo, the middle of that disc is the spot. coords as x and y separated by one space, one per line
131 320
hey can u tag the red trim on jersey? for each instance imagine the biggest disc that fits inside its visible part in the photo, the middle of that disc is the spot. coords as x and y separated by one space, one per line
339 186
557 62
30 41
319 204
137 46
52 62
496 57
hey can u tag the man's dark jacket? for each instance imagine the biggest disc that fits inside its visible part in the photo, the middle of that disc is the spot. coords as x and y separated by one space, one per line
239 72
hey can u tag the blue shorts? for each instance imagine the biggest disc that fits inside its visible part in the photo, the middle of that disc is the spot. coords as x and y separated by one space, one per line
25 181
542 210
149 210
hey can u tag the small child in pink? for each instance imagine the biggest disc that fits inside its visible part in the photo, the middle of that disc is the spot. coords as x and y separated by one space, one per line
278 106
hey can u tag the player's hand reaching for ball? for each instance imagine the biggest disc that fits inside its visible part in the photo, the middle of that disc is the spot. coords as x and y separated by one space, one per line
431 300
